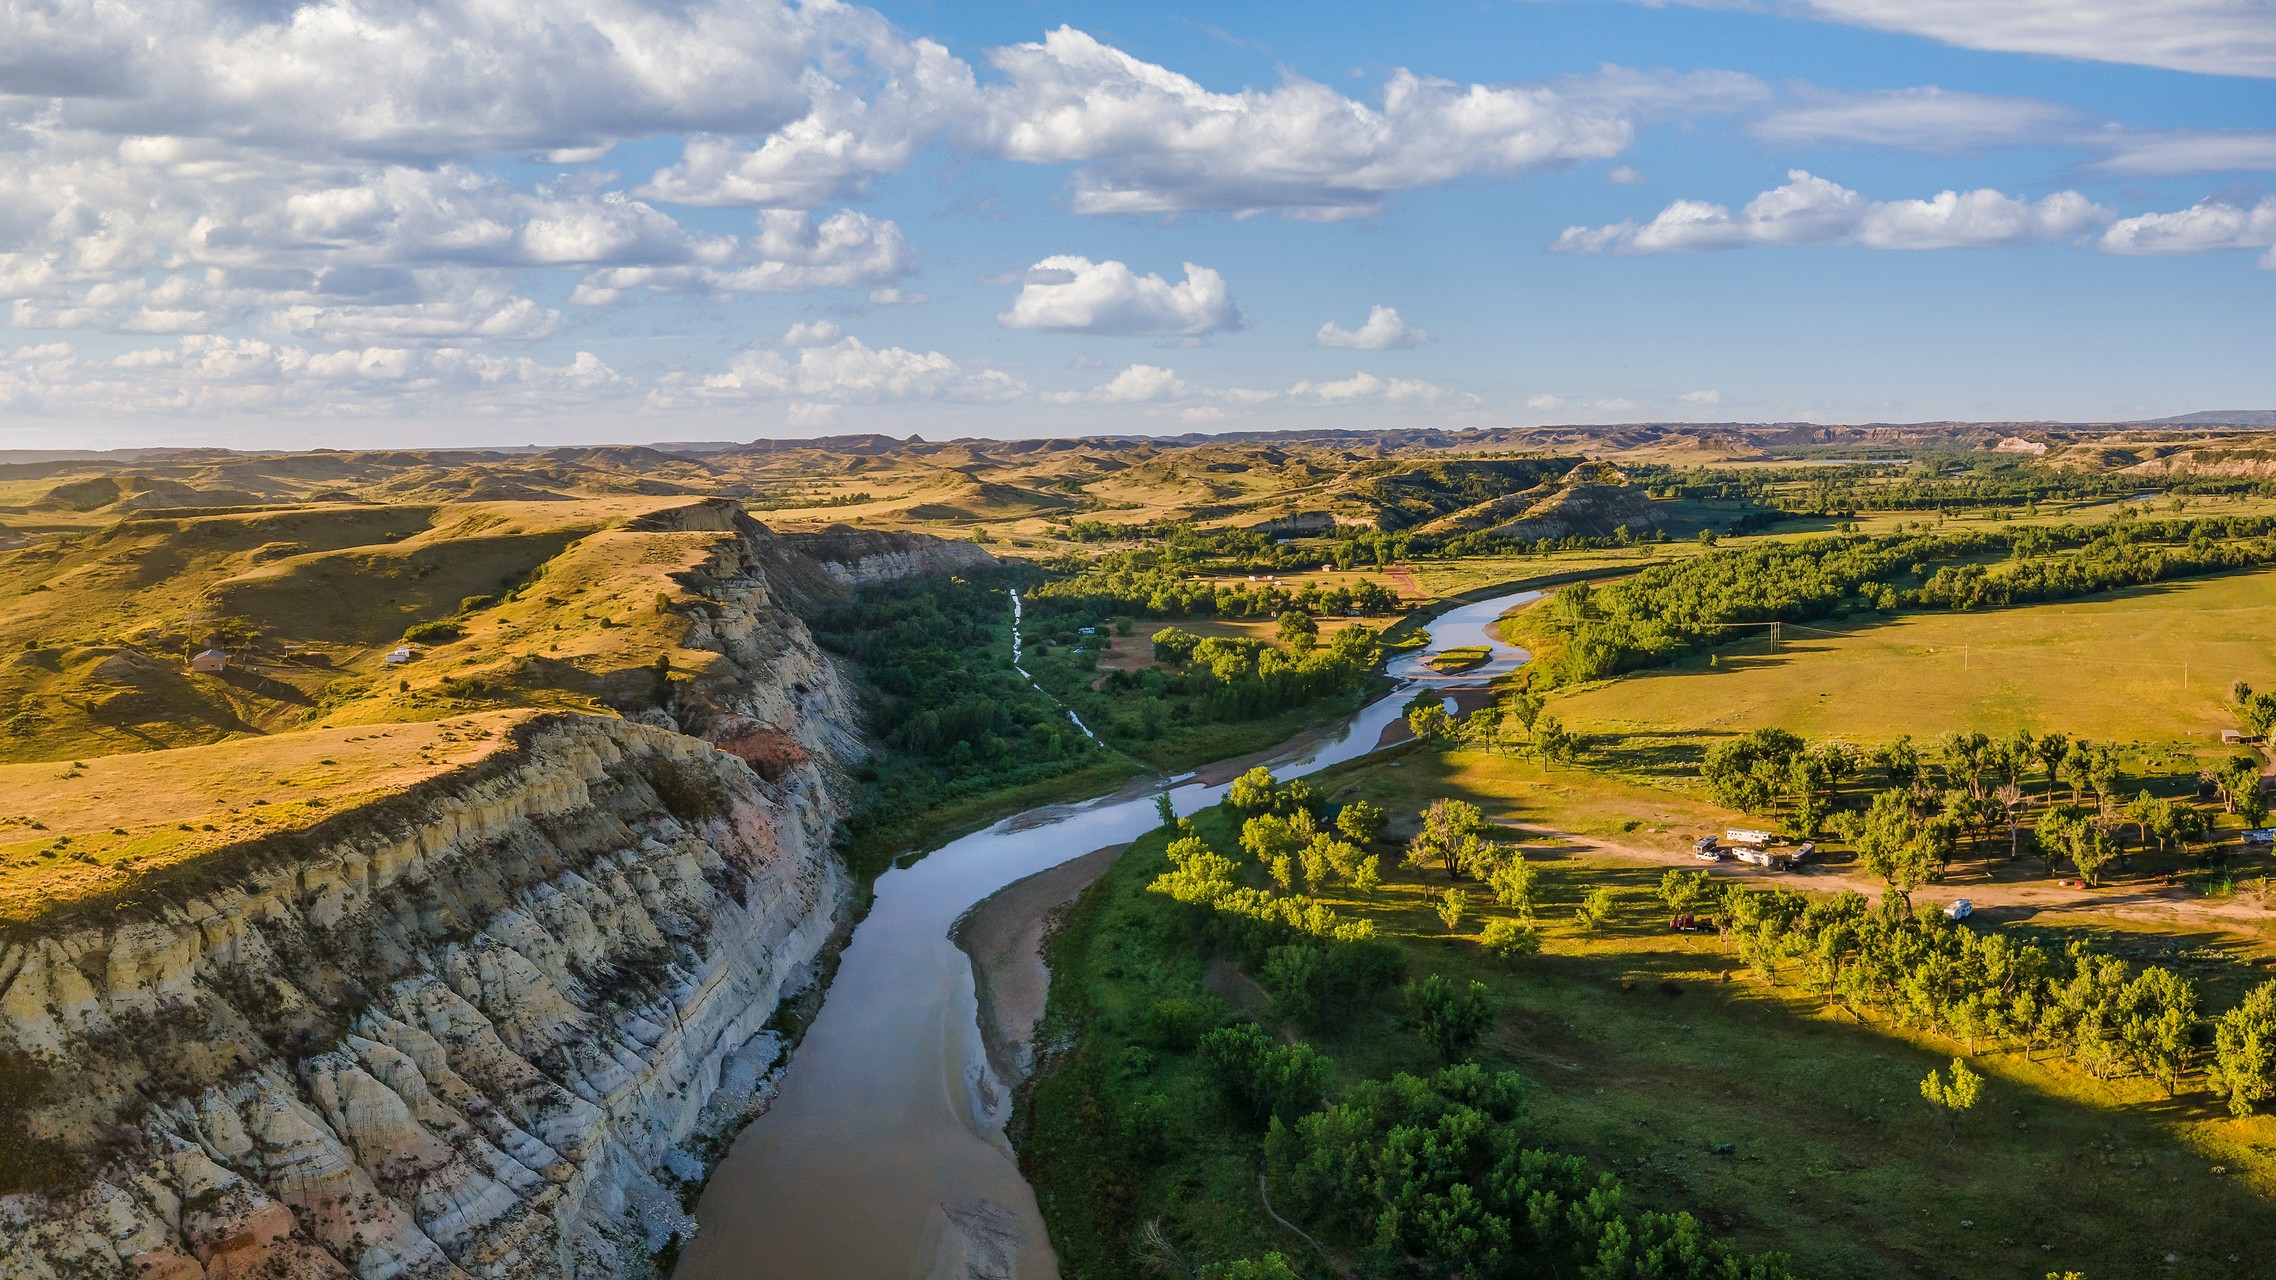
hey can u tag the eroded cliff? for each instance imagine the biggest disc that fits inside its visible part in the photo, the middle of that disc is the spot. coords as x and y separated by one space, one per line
484 1027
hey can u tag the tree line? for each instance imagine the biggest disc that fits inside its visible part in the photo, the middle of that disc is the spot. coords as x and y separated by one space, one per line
1665 612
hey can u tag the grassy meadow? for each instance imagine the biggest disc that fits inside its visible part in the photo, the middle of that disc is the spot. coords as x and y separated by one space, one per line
2108 667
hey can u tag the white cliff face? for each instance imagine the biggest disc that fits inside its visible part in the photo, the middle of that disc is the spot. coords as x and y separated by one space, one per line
463 1047
482 1029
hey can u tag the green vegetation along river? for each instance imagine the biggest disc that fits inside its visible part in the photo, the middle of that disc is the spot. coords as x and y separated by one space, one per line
884 1153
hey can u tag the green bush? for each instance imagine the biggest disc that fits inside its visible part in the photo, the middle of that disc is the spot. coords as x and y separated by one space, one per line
433 633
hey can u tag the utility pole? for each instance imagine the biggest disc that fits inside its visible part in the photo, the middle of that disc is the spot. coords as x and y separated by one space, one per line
1774 637
1964 656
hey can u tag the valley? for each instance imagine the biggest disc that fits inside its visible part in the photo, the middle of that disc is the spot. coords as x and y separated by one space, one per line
549 818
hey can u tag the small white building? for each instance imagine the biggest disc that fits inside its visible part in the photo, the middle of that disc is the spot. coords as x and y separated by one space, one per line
399 656
212 662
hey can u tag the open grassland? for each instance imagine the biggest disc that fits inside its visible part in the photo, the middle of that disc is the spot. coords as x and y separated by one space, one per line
2149 664
75 830
1659 1058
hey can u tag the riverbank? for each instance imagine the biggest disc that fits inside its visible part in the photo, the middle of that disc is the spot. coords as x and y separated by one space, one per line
1005 936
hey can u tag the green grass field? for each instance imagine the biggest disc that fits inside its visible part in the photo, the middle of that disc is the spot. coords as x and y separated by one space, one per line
2149 664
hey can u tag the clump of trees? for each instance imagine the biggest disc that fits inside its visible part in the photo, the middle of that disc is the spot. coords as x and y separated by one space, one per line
1989 991
1433 1176
1965 789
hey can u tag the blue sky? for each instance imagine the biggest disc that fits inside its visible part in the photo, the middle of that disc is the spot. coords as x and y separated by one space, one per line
367 221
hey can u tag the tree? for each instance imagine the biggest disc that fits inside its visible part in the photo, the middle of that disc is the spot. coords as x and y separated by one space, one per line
2244 1051
1683 890
1165 810
1451 1018
1360 822
1553 741
1954 1096
1254 791
2011 802
1891 845
1453 905
1597 908
2090 851
1516 885
1426 716
1297 630
1451 832
2051 749
1510 938
2159 1024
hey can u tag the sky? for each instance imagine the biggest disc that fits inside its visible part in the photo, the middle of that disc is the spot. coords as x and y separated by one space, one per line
256 223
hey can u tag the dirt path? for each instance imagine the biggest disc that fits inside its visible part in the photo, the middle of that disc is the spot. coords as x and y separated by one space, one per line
1004 936
2147 901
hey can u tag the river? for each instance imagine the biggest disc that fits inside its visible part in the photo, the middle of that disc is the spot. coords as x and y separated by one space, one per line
883 1156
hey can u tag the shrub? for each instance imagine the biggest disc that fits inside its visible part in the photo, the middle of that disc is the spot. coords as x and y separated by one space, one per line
433 633
1510 939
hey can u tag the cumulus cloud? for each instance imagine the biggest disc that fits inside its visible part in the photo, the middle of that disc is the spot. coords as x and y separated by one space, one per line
2208 227
792 253
427 82
1812 210
1150 140
2216 37
204 374
831 366
1701 397
1383 331
1366 388
1071 294
1626 176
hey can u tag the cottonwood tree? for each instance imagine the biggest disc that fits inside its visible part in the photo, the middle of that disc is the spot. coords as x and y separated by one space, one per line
1360 822
1516 885
1597 908
1682 890
1453 833
1955 1096
2244 1051
1453 905
2051 749
1451 1018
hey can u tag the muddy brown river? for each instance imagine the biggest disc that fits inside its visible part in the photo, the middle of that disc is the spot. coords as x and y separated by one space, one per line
883 1156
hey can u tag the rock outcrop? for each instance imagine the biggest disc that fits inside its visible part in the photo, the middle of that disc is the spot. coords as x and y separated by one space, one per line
484 1028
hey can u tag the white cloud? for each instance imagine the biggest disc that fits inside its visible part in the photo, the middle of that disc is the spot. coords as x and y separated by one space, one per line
791 254
2216 37
1812 210
1383 331
1366 388
2208 227
425 82
815 333
1150 140
1918 119
1701 397
1626 176
1070 294
1143 383
203 374
1544 401
2157 153
1158 142
840 369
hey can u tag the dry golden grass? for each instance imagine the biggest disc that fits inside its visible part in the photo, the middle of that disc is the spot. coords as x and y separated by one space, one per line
73 830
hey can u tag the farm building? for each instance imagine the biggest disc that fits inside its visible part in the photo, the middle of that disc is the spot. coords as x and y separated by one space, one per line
398 657
212 662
